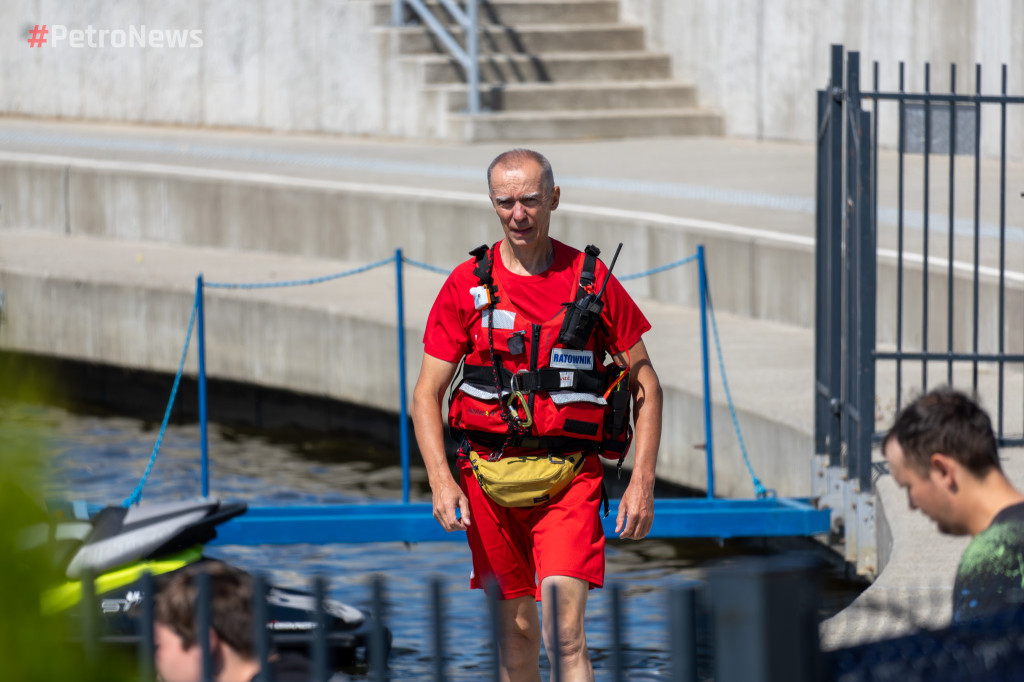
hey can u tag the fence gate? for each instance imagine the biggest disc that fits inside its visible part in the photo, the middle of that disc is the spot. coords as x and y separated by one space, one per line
920 288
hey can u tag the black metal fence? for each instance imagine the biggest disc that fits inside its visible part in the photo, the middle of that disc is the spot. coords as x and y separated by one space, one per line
754 621
917 292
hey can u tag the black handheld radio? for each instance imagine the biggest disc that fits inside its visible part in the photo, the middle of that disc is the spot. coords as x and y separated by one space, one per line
582 315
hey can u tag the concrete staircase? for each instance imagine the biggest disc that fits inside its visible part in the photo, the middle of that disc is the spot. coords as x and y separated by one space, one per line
549 70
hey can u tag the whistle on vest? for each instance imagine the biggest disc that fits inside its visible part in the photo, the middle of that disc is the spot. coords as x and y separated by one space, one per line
481 297
580 319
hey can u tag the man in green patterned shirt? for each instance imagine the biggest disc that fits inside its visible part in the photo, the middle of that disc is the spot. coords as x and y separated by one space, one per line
942 449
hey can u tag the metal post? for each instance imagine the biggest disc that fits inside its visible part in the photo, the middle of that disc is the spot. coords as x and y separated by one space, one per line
261 638
709 450
766 609
403 409
493 596
438 631
683 622
147 647
835 265
204 623
90 619
397 12
204 462
472 49
378 640
618 643
320 668
555 651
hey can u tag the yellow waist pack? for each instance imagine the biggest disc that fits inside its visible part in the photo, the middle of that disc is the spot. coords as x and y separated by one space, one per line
525 481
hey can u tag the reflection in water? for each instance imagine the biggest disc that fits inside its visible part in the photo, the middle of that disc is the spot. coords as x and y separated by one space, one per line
100 459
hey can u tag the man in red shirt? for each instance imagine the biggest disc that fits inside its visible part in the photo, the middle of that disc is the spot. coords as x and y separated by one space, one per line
508 303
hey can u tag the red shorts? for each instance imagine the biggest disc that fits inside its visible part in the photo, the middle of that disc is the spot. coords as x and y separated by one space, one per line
520 546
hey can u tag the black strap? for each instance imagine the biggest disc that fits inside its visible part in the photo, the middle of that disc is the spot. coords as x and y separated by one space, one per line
588 274
560 444
545 379
482 269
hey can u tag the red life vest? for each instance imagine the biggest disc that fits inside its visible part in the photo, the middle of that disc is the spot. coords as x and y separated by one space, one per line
552 397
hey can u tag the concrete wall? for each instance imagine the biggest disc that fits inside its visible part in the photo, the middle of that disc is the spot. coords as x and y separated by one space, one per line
761 61
320 65
306 65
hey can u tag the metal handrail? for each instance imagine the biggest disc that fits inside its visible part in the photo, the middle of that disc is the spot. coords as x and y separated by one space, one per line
468 57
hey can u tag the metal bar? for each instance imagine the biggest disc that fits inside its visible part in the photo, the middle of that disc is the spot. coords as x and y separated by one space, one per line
438 633
618 641
378 649
822 413
473 50
926 254
944 356
952 231
90 618
835 266
977 222
852 205
454 10
899 247
440 32
397 12
204 623
261 637
403 399
491 588
147 647
555 646
867 288
938 97
321 672
765 621
1002 248
683 633
709 449
204 460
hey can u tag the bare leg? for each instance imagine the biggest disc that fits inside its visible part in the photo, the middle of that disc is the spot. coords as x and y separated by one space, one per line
572 640
520 640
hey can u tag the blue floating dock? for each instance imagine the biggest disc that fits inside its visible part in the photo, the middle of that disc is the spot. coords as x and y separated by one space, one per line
414 522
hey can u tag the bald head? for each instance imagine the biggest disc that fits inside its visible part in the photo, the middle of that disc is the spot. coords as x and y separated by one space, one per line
517 157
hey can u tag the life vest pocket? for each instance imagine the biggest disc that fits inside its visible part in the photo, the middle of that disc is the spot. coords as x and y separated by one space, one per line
475 409
571 414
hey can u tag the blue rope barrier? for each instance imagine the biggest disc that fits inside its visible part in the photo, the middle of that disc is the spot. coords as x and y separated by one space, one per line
759 489
638 275
660 268
298 282
425 266
136 495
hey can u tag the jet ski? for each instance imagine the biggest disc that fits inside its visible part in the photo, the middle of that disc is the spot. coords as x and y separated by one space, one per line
117 546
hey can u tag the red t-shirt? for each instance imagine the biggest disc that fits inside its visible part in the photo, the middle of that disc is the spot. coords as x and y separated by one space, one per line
539 297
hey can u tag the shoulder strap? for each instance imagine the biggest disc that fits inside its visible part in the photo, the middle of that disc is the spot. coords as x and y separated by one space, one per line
588 273
483 264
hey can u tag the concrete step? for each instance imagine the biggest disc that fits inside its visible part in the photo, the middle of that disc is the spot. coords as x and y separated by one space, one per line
520 12
655 94
530 39
579 125
560 66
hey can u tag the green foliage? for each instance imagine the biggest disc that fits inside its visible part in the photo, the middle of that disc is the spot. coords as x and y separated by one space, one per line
33 647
